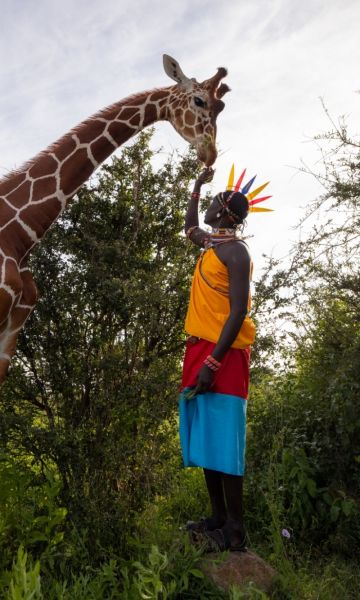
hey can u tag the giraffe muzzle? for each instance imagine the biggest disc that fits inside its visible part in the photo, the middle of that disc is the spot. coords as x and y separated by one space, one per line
206 152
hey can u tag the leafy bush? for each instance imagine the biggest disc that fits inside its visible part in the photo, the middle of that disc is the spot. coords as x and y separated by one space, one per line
30 515
93 388
23 582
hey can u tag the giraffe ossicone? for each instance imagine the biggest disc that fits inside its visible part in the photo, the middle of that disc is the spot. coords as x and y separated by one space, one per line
33 196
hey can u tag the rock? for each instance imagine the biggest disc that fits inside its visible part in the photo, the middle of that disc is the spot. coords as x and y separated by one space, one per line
239 568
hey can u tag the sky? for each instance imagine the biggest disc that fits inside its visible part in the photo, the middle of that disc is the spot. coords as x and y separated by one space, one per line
62 61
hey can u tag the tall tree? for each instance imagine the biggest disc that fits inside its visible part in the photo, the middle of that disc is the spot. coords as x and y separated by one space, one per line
96 372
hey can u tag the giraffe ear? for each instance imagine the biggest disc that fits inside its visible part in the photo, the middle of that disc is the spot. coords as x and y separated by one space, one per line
173 70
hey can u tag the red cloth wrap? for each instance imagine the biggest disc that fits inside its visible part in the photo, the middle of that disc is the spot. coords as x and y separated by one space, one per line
233 376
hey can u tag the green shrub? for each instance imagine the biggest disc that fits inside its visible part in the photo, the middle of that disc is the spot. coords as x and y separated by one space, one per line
30 515
23 582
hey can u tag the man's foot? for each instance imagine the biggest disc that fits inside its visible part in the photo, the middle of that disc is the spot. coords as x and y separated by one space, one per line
205 524
222 539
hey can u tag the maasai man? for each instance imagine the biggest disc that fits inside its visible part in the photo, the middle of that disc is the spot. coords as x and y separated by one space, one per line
215 377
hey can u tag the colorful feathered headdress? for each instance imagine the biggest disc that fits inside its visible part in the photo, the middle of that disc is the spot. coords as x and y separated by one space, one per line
251 198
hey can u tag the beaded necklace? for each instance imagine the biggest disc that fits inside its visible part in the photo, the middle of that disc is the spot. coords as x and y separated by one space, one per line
220 235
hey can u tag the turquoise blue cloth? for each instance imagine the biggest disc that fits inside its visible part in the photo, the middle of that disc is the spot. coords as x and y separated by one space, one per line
212 431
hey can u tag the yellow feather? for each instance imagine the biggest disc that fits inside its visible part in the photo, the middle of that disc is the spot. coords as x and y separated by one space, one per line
231 178
257 191
255 209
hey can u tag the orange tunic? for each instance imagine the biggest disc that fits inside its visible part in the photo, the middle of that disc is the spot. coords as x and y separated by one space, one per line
209 305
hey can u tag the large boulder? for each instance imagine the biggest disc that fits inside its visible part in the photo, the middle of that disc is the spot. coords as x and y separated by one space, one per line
239 568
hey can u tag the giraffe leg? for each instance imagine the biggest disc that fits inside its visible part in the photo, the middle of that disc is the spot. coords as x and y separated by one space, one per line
11 286
20 310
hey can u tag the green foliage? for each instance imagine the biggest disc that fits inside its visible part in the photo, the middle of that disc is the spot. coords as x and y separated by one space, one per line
92 584
93 389
308 504
308 391
24 579
160 578
313 406
328 368
30 515
164 515
171 573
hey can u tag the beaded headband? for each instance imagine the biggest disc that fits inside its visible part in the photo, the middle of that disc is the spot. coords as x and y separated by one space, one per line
225 206
244 190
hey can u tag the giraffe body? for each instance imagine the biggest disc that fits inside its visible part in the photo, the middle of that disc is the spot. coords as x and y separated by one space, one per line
33 197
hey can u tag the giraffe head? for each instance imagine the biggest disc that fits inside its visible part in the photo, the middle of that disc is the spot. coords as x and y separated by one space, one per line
193 108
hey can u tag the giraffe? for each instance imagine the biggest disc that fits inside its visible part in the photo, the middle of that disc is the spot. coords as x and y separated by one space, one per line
34 196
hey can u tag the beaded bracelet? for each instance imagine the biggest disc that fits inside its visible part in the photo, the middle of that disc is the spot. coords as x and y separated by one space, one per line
212 363
190 230
195 195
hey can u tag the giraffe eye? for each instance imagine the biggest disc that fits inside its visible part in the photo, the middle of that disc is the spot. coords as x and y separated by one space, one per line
199 102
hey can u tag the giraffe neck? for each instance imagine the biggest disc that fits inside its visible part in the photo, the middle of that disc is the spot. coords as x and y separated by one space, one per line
32 198
84 148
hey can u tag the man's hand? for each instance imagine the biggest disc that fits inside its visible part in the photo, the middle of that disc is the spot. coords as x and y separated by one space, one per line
205 380
206 176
